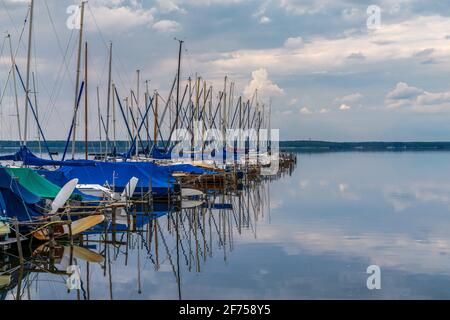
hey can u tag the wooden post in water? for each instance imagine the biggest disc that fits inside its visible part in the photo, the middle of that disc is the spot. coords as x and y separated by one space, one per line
19 241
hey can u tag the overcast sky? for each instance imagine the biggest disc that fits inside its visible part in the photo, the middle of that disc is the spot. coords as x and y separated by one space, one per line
329 75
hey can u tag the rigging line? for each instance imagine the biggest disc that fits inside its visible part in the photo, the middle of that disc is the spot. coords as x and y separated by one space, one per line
15 54
58 39
107 46
189 60
3 47
9 16
58 80
1 105
57 86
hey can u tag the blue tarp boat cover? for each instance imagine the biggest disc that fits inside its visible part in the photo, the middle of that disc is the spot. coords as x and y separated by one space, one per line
29 159
157 153
15 200
187 168
116 174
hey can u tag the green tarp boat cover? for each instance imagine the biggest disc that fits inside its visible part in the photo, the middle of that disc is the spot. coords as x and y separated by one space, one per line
34 183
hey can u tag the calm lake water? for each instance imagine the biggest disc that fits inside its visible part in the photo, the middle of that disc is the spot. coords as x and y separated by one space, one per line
309 235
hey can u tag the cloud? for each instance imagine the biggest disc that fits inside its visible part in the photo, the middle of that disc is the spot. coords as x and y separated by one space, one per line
167 6
356 56
305 110
294 42
351 98
305 6
167 26
261 82
264 20
419 100
346 102
424 52
118 16
351 13
344 107
393 42
260 14
403 91
293 101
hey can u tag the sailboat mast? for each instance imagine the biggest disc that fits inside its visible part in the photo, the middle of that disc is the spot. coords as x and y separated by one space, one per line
147 120
99 120
108 100
27 83
114 118
178 84
37 113
155 126
86 107
138 74
16 100
77 82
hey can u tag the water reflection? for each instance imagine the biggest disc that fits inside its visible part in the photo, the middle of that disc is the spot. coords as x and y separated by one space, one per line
131 253
309 234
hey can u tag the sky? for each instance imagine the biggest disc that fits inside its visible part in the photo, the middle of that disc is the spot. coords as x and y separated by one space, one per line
333 69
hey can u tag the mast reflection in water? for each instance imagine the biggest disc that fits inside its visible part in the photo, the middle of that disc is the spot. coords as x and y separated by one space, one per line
150 252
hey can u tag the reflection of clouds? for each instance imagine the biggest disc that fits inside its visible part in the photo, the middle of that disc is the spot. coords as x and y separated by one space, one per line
304 184
403 197
398 251
346 194
343 187
326 185
276 203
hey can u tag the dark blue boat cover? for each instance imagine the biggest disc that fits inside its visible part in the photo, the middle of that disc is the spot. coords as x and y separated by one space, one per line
29 159
156 153
116 174
188 168
16 201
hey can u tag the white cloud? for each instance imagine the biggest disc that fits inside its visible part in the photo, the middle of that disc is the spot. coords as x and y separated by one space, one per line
168 6
304 6
305 110
294 42
209 2
403 91
116 16
293 101
351 98
344 107
417 99
167 26
351 14
393 42
260 14
261 82
264 20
